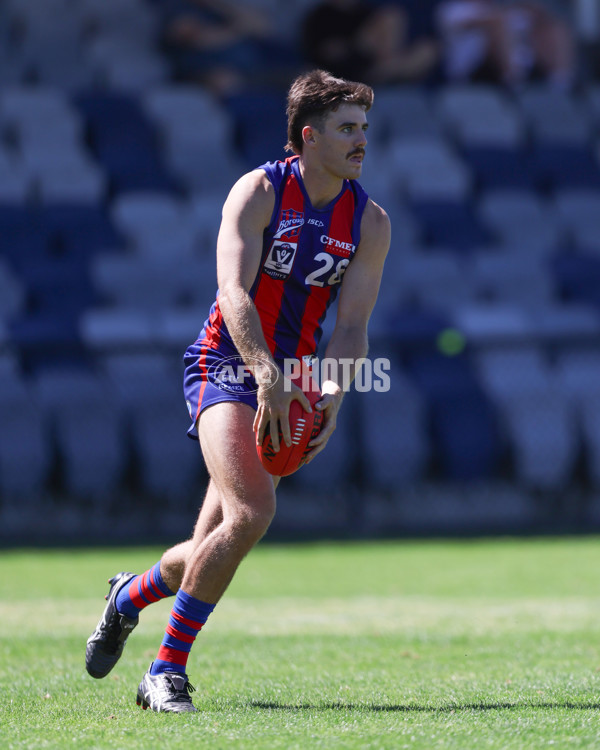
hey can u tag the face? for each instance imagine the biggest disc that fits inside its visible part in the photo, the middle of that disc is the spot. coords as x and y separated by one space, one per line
340 146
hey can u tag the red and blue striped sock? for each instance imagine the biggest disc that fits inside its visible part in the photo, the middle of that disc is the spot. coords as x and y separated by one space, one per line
187 618
141 591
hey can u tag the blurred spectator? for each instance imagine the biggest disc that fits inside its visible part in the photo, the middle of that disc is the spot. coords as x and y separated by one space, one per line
364 41
225 45
505 42
586 18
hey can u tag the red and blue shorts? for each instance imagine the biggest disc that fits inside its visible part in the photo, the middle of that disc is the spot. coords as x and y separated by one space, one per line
212 377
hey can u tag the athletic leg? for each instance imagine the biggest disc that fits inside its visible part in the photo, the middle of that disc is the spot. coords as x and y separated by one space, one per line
173 561
247 502
130 593
247 495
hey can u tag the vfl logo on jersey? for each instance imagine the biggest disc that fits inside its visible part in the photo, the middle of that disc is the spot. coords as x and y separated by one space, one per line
280 260
290 223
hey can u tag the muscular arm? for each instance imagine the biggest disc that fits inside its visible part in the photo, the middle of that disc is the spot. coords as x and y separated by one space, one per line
358 295
246 213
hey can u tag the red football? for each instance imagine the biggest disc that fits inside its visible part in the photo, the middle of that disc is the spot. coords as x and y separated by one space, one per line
303 427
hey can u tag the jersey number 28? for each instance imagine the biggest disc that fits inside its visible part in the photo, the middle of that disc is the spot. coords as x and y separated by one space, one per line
317 278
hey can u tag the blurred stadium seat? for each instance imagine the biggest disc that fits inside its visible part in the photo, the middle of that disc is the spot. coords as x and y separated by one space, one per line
203 162
500 279
535 413
82 416
427 169
112 180
394 438
555 117
417 115
578 371
455 399
156 224
578 209
25 451
478 116
520 218
12 292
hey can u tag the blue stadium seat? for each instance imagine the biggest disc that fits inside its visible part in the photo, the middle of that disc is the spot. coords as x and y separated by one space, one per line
435 280
500 278
566 166
578 371
578 277
562 322
491 322
394 436
16 183
25 458
156 224
465 437
82 415
590 420
170 464
148 389
22 239
116 328
428 169
480 116
45 338
33 103
58 286
535 413
578 210
416 328
179 111
205 215
521 218
177 328
417 115
555 117
125 142
12 292
153 284
81 228
259 125
452 224
544 439
495 167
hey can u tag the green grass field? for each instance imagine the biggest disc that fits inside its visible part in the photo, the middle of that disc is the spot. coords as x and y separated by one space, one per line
484 644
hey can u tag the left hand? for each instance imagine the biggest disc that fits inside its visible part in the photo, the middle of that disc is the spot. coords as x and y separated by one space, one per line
329 405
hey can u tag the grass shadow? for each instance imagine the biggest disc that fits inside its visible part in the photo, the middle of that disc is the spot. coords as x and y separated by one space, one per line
417 708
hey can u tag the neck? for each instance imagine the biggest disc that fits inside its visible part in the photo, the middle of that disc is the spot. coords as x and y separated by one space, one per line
322 187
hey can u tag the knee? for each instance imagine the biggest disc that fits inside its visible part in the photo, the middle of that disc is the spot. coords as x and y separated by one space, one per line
250 522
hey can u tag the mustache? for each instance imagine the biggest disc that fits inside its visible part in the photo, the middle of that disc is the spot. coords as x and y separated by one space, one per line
356 152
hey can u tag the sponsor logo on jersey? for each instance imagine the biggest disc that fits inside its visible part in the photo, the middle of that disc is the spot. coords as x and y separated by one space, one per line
337 247
280 259
290 223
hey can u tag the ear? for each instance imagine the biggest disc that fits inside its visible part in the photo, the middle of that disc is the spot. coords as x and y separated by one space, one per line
308 134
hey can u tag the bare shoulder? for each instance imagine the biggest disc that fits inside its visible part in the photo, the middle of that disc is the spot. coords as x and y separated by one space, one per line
253 193
375 227
255 185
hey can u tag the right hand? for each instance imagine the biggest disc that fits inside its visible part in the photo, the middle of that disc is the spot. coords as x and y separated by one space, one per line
274 403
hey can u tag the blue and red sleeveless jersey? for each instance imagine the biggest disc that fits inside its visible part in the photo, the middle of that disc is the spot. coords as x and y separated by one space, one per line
305 253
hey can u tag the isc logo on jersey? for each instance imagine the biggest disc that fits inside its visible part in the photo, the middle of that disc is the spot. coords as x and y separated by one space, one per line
280 259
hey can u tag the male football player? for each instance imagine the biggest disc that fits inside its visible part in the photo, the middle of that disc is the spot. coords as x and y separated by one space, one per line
293 234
